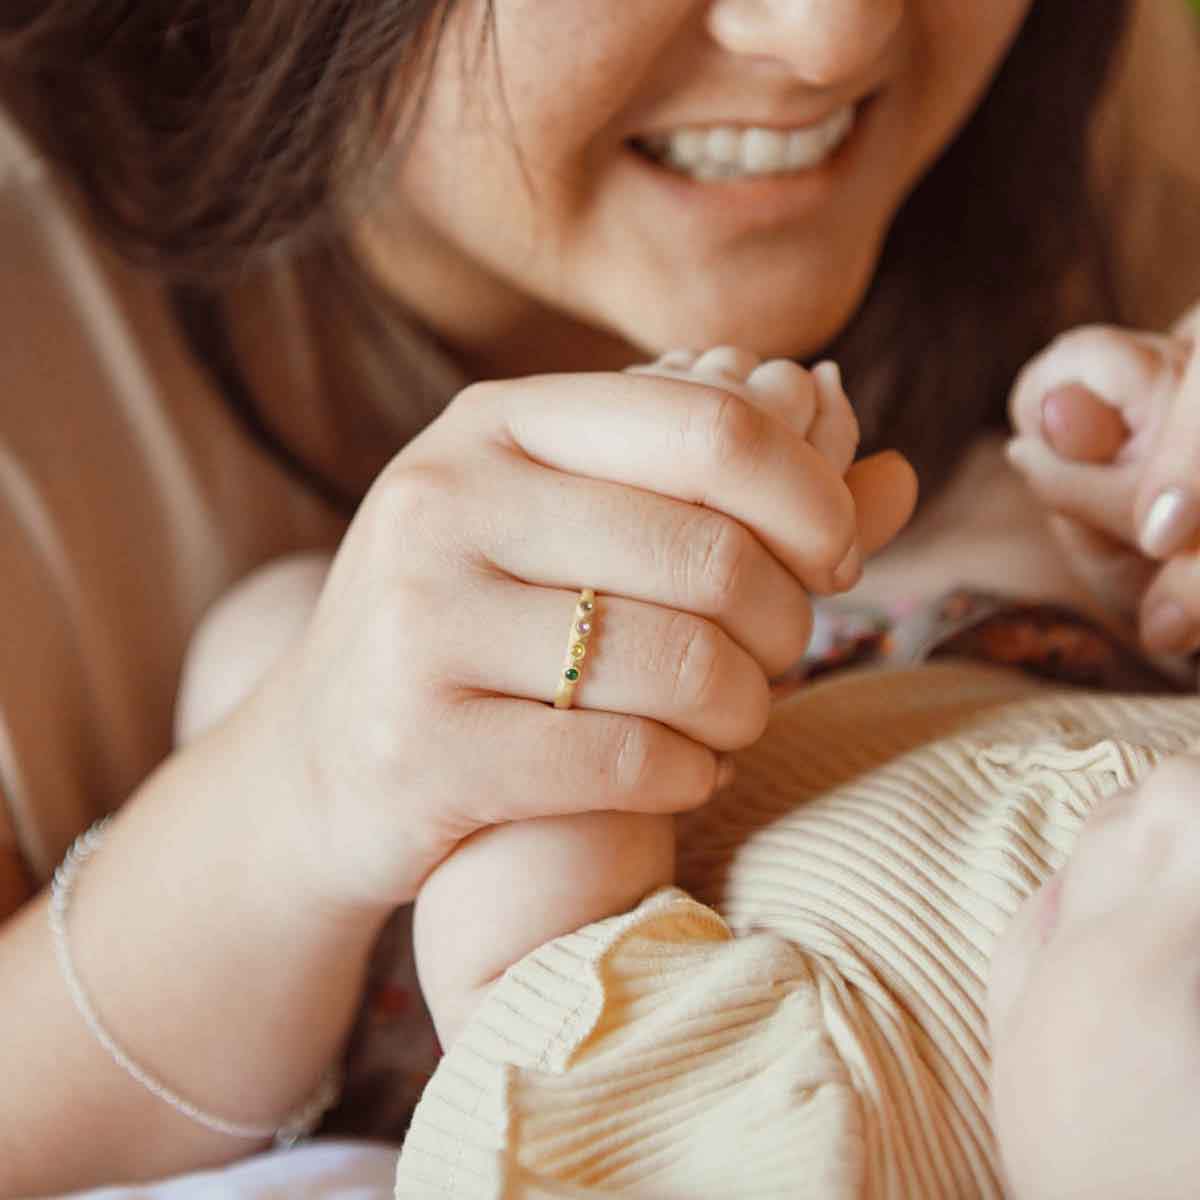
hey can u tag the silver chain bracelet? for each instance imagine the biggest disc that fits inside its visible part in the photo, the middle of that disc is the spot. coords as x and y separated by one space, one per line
296 1126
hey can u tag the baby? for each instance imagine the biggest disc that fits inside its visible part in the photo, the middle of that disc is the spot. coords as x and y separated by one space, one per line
809 1017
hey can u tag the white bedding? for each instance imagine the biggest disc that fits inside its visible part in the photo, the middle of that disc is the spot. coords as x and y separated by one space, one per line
315 1171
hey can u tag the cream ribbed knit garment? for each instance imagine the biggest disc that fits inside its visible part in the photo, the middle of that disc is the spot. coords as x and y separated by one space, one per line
809 1021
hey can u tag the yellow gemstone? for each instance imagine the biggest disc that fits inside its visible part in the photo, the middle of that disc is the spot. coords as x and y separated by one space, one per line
578 651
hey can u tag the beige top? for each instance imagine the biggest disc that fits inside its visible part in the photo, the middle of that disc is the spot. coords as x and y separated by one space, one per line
130 498
809 1022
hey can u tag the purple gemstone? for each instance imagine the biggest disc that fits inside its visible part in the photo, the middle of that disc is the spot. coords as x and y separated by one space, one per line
584 627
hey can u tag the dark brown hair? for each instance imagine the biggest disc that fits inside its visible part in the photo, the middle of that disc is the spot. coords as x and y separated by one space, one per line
203 133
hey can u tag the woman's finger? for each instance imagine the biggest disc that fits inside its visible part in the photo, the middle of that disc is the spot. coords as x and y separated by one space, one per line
700 444
884 487
582 762
1170 614
1167 507
637 544
673 668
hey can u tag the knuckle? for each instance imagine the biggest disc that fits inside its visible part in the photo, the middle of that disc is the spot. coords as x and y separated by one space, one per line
416 519
720 553
796 638
475 395
414 493
829 539
733 430
693 651
632 757
757 713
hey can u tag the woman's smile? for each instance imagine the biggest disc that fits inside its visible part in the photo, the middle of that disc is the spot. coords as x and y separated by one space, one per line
673 174
736 179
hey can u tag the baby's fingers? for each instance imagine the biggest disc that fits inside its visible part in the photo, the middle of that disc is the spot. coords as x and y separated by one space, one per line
1111 571
1080 426
835 431
1101 497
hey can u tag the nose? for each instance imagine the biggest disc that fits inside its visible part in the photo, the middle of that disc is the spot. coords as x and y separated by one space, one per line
823 42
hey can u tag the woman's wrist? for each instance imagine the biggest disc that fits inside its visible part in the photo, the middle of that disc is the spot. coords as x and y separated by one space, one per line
288 806
203 955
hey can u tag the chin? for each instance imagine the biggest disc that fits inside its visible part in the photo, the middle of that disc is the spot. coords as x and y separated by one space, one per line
799 335
775 322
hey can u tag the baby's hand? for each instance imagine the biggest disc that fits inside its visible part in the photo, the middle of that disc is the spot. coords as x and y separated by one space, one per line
1108 437
815 405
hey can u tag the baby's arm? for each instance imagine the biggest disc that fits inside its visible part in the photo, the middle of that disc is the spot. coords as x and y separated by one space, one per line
242 636
504 891
508 889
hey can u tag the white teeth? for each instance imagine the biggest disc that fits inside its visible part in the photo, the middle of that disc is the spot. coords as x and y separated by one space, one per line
724 152
763 150
723 146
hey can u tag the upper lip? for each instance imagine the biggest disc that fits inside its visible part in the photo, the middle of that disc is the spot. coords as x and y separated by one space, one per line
775 121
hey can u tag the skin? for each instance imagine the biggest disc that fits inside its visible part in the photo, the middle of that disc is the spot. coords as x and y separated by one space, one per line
525 232
1095 1007
1105 422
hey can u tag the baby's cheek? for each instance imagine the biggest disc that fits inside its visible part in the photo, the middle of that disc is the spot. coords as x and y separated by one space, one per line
1010 969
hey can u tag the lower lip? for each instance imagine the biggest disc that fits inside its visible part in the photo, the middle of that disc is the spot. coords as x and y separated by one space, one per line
764 200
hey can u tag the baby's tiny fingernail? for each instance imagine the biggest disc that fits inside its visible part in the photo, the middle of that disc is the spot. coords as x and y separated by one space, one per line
849 570
1167 629
828 372
1172 522
726 771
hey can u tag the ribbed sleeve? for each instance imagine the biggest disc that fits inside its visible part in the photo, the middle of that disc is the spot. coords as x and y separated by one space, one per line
808 1021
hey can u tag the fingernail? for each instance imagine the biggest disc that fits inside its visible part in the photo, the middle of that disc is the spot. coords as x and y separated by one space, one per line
1172 522
1167 629
829 373
726 771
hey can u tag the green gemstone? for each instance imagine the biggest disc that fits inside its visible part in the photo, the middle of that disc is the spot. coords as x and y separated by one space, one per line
571 673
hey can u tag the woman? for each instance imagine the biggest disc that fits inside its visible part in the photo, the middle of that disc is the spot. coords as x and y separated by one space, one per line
520 222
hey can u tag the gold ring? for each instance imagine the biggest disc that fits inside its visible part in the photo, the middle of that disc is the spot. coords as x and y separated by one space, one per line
581 629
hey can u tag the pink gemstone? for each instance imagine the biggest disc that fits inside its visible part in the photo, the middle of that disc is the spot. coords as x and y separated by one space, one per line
584 627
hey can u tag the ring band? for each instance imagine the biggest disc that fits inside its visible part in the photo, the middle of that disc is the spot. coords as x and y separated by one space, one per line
581 629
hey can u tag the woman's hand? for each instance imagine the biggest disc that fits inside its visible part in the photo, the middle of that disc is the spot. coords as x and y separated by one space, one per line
703 509
1108 437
